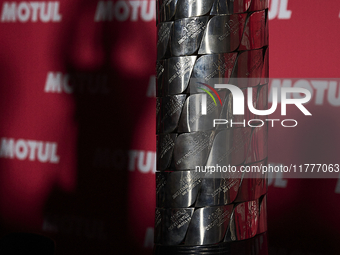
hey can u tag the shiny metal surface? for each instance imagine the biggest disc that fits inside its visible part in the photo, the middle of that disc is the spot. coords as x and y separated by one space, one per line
192 8
180 189
159 214
160 77
262 98
165 146
191 150
243 221
187 35
265 68
218 191
230 147
208 225
248 69
192 119
177 189
263 215
202 43
254 36
230 6
165 10
257 5
160 69
259 99
266 42
227 112
258 149
253 184
168 113
163 35
176 75
223 34
172 224
215 66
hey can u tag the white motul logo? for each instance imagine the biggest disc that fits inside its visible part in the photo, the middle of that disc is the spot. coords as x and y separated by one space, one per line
141 161
124 10
45 152
57 82
279 9
146 161
30 11
238 100
322 90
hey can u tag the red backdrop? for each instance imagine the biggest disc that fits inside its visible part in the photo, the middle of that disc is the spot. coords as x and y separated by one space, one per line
77 124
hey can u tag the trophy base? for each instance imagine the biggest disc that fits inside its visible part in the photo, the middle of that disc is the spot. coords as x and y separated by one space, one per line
252 246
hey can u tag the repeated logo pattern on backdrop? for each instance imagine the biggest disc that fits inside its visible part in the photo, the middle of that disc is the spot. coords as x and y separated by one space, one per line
77 124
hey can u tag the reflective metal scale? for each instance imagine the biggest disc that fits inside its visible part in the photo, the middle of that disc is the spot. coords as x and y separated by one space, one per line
205 203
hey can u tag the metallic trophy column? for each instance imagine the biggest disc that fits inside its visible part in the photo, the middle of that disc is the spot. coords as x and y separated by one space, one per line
201 43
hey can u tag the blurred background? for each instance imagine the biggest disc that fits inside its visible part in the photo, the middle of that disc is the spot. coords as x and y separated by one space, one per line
77 124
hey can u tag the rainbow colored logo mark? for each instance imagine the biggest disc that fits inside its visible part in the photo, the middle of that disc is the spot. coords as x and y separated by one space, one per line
204 98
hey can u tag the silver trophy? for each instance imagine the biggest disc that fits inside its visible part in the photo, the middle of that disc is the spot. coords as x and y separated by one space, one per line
201 43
